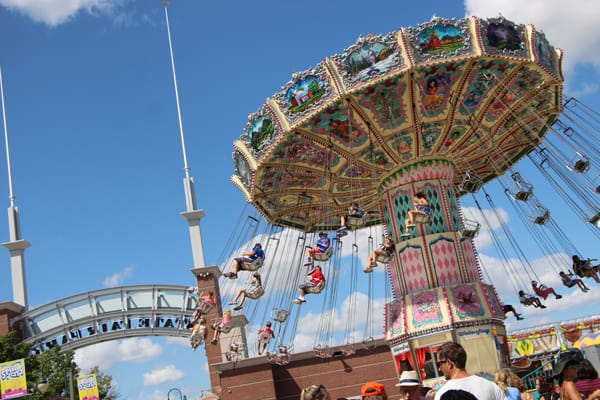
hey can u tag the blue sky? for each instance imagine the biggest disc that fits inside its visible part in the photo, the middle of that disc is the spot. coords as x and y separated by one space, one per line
96 156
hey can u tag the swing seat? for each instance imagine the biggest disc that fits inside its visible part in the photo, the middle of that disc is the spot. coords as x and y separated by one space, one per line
316 289
323 256
368 343
349 350
197 339
252 266
255 294
279 314
523 195
356 222
470 229
224 329
595 184
204 307
580 164
541 218
595 220
283 349
523 190
421 219
471 183
383 259
282 357
322 352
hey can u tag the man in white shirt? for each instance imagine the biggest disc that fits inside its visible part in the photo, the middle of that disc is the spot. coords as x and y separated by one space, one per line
451 359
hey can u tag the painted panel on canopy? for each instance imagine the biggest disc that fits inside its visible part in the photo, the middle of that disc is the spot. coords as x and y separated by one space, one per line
429 136
281 180
482 80
502 37
527 80
242 169
304 93
467 301
376 157
297 149
546 53
394 312
426 309
544 102
352 170
494 301
337 122
440 39
370 57
386 101
451 138
435 84
402 142
259 133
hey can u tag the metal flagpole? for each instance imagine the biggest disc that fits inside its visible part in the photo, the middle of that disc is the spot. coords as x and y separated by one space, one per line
16 246
192 215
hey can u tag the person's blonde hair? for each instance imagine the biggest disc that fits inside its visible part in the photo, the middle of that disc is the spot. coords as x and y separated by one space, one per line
505 378
515 381
314 392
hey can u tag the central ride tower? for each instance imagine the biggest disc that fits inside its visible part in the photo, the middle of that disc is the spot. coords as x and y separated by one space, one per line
439 109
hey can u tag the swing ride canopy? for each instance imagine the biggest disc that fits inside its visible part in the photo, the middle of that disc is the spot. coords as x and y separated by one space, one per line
479 93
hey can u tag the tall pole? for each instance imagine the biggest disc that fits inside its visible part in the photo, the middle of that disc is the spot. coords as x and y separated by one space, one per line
16 246
191 215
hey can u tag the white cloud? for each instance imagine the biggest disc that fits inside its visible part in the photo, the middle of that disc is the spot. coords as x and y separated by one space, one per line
167 373
107 354
570 26
53 13
118 278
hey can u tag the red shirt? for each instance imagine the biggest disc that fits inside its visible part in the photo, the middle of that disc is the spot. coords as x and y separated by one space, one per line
317 276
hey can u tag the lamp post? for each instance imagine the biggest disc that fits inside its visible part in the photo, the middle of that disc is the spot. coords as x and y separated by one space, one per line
181 396
57 360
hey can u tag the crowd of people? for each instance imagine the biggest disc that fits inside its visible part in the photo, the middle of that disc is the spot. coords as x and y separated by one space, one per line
573 378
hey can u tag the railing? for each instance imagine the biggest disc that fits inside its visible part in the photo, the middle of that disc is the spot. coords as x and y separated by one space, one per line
530 378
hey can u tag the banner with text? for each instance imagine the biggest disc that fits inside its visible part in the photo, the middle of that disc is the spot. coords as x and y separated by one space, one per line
13 382
88 387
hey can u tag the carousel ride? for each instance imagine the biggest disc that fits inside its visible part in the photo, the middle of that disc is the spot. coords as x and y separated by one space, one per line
438 110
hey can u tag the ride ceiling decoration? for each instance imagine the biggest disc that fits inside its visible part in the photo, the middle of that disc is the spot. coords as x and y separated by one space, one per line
478 93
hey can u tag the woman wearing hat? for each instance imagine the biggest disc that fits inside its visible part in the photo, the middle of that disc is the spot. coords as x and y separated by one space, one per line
410 386
565 371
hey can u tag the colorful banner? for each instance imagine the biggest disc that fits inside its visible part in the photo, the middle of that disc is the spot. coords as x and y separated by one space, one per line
13 382
87 387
